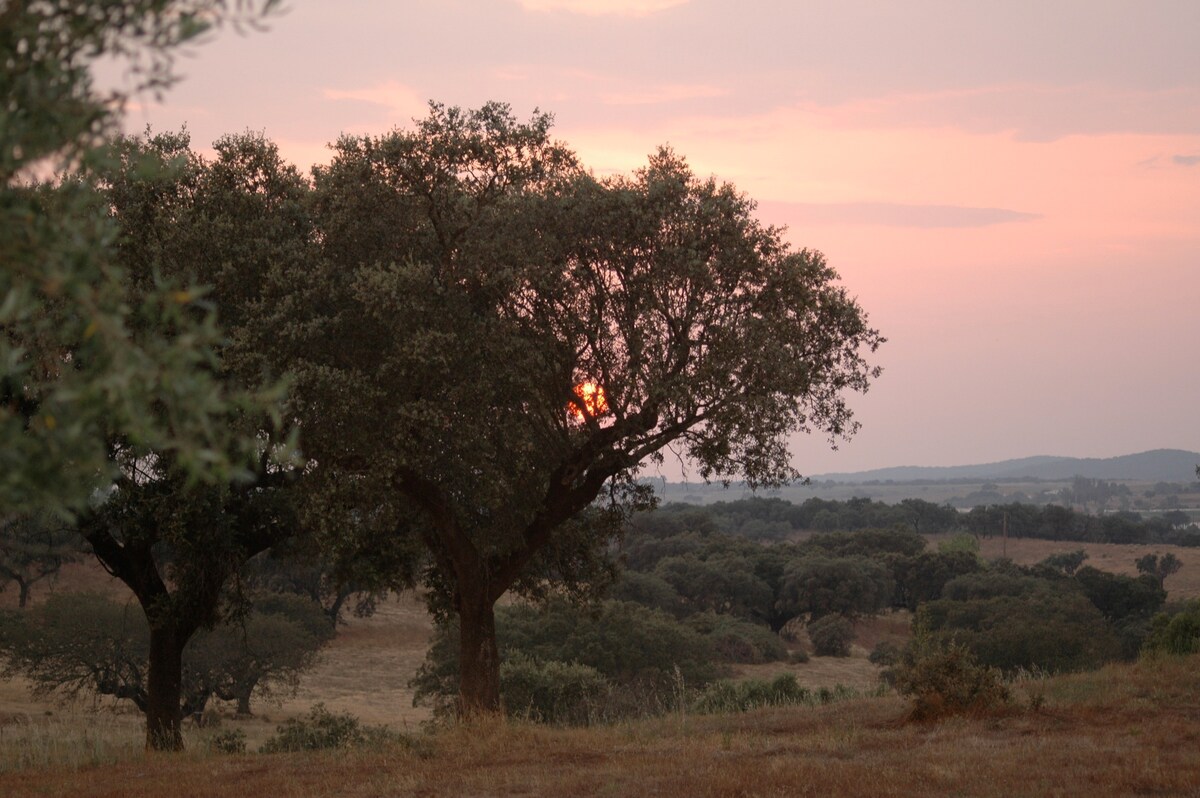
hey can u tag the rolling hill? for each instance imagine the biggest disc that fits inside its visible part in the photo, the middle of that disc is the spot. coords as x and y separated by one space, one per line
1159 465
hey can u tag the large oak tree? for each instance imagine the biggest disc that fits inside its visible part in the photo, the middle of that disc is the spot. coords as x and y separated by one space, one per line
472 277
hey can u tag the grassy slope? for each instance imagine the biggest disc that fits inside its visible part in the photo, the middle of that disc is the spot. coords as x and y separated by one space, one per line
1125 730
1121 731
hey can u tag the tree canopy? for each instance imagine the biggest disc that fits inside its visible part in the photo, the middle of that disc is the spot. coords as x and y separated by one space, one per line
473 276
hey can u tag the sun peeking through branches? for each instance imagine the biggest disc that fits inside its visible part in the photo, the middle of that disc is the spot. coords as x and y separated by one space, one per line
589 402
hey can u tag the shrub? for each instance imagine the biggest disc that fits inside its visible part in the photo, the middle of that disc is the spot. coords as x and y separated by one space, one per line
737 640
1175 634
947 681
641 652
232 741
885 653
322 729
1045 630
725 696
551 692
831 636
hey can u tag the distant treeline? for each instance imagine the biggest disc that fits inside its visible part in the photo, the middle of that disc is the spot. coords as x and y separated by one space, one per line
1054 522
778 519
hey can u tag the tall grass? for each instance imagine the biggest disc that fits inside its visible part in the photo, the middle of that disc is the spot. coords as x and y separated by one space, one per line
74 741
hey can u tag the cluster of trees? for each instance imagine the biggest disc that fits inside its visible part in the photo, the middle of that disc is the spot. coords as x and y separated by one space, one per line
777 519
1056 522
1042 618
433 299
691 597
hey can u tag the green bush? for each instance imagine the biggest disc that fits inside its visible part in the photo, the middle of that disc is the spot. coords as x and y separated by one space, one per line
642 653
946 681
1177 633
831 636
726 696
232 741
552 692
1048 631
322 729
737 640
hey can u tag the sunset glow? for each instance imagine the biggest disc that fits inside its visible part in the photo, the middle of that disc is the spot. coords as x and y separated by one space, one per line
1011 190
589 397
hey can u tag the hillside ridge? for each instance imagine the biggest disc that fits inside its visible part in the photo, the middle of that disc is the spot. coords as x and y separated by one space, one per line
1156 465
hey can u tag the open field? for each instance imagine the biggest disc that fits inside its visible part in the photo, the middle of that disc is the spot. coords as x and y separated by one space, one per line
365 671
1115 557
1121 731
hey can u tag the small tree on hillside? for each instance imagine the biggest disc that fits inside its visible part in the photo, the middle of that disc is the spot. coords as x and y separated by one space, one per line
1159 566
831 636
1066 562
34 548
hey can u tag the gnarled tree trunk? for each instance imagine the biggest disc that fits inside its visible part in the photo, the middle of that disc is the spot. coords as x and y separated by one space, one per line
164 716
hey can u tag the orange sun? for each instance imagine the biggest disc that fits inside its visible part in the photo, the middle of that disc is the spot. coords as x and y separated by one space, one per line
589 397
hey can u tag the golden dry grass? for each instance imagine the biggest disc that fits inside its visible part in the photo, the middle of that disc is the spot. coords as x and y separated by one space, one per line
1116 557
1122 731
1125 730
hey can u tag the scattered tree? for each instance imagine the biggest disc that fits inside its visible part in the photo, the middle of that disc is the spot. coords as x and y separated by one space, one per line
79 644
848 586
34 548
1159 566
1066 562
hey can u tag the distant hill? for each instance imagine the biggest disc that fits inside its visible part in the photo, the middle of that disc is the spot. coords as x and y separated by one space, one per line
1159 465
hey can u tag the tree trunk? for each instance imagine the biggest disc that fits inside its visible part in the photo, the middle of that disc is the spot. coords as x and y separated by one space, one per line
478 656
23 597
164 718
243 699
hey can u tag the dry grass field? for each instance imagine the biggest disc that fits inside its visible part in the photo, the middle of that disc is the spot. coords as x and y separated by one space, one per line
1121 731
1115 557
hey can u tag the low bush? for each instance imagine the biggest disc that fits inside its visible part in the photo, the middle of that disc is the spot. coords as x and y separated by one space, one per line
322 729
726 696
1175 633
232 741
737 640
552 692
831 636
946 681
885 654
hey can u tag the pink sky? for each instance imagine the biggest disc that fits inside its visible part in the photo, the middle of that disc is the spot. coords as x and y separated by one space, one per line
1011 188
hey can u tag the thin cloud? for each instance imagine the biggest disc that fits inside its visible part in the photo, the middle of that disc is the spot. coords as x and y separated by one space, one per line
1185 160
893 214
1030 112
400 101
596 8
